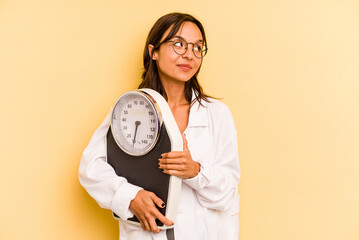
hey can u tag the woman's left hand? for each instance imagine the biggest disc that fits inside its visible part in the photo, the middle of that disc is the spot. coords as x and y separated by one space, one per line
179 164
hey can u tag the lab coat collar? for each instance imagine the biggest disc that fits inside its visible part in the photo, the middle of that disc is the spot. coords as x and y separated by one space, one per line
198 116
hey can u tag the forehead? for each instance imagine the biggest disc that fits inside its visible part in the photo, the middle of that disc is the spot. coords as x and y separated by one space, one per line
188 31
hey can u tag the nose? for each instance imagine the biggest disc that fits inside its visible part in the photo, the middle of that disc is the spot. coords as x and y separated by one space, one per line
189 52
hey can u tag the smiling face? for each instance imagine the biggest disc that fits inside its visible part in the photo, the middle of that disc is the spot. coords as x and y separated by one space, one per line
173 67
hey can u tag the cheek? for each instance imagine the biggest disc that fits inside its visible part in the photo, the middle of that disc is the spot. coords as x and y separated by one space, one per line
197 65
167 60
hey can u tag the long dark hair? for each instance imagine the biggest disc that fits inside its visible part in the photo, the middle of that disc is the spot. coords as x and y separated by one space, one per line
150 77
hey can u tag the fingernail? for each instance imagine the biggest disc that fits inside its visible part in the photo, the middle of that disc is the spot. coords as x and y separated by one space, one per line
163 204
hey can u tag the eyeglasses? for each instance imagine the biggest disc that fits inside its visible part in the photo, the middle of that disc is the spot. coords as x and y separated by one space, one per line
180 47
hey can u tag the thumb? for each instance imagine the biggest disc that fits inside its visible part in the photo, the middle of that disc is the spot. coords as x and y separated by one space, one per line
185 143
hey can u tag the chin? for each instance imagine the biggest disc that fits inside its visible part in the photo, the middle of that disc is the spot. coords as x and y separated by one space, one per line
186 78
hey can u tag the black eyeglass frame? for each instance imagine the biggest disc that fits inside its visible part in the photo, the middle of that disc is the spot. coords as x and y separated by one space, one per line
203 52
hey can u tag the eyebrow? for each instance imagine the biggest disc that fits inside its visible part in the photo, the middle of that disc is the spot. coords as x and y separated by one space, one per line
185 39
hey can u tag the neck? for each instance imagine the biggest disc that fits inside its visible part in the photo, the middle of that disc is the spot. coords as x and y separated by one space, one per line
175 94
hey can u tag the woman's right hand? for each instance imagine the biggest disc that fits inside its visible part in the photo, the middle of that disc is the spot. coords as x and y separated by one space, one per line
143 206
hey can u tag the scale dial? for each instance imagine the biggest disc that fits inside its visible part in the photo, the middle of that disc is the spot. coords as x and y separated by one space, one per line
135 123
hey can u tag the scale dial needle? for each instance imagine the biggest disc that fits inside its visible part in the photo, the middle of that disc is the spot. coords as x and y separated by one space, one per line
137 123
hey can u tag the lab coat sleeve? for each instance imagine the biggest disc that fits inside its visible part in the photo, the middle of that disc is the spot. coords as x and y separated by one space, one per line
99 178
216 184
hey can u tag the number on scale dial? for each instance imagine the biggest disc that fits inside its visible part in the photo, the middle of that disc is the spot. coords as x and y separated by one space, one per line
135 123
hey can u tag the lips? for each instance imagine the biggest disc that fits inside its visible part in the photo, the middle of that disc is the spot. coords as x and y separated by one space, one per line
185 67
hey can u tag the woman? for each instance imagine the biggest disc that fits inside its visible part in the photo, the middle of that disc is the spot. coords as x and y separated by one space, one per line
209 204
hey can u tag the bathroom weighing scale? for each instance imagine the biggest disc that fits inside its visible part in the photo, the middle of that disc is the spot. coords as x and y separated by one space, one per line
142 128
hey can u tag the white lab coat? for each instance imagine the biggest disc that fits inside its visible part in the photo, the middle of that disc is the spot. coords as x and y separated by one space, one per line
209 203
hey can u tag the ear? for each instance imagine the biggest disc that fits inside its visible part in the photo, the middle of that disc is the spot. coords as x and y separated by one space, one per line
150 50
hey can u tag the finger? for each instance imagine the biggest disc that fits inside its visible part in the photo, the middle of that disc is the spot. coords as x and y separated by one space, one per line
153 225
169 161
173 154
178 167
174 173
142 225
185 143
145 225
163 219
158 201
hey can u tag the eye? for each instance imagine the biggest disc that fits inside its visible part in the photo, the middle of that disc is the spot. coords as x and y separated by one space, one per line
198 47
178 44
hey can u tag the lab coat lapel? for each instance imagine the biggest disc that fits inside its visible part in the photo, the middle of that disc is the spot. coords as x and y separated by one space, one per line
197 130
198 116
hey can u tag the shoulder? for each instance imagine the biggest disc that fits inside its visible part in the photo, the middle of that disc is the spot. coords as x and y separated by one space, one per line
215 112
220 118
217 107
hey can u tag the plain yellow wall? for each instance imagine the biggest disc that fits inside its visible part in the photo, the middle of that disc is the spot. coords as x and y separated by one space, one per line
289 71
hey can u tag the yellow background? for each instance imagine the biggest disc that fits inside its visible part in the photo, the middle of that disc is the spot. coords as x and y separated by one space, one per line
289 71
